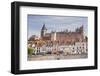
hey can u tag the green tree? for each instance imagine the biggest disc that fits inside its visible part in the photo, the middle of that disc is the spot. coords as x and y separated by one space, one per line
30 51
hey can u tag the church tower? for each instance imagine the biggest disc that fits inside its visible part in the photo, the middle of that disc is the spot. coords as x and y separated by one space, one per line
43 31
80 30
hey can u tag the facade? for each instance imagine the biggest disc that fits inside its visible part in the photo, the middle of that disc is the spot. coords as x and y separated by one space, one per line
63 37
77 48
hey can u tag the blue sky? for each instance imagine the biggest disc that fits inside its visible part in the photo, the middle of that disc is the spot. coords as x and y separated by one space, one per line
55 23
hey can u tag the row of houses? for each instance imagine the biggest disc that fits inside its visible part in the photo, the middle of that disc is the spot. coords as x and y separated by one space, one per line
77 48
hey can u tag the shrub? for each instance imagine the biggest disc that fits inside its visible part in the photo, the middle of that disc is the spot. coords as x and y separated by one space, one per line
30 51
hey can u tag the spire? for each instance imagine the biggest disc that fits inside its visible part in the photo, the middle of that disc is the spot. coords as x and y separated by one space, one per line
44 28
81 28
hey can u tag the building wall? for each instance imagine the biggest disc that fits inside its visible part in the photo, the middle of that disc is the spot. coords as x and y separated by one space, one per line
69 38
65 37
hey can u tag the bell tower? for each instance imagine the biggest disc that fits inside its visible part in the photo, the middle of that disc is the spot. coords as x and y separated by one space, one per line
43 31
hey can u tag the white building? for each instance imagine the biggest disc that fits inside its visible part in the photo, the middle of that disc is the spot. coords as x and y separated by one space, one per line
77 48
82 47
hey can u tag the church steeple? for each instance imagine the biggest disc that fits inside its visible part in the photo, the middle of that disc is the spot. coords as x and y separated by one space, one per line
43 30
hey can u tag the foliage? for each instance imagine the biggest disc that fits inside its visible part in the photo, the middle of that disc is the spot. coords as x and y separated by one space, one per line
30 51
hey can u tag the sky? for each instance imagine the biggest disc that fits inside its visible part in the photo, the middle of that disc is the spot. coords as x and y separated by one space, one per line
55 23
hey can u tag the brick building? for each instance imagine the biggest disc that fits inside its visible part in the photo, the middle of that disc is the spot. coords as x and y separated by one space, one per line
63 37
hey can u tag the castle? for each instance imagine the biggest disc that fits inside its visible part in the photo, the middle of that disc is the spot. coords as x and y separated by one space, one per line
65 41
63 37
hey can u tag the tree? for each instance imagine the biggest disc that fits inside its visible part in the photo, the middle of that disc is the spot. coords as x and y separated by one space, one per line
30 51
